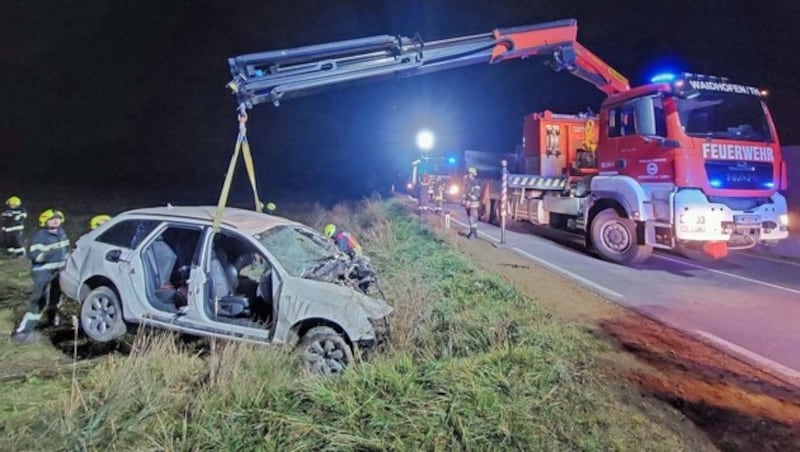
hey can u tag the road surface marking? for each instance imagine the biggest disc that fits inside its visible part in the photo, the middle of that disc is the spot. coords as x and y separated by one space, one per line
480 233
752 356
564 272
744 278
780 261
555 268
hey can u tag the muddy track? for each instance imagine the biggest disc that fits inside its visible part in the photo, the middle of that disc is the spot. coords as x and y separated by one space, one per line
737 406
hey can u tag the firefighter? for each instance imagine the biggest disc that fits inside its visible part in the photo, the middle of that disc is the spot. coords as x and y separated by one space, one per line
48 254
343 240
472 200
98 220
438 196
424 186
13 227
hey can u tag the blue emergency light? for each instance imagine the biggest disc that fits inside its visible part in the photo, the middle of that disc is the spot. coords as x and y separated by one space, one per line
663 78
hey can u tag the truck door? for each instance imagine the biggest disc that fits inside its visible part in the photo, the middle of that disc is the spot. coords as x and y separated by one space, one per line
637 133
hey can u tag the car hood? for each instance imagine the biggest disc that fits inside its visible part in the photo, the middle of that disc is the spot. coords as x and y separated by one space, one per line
328 293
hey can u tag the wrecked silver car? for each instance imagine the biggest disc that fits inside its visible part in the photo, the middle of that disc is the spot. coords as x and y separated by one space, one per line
261 278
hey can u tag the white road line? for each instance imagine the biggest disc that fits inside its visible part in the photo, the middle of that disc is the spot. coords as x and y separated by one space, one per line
555 268
480 233
744 278
564 272
772 259
751 356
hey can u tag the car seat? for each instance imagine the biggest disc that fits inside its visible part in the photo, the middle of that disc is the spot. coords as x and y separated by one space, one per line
161 261
224 281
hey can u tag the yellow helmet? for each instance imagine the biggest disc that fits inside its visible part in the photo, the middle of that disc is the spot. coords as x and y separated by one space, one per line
472 171
329 230
13 202
98 220
271 206
48 215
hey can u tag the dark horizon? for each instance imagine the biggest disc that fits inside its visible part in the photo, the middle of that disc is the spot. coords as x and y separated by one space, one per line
110 95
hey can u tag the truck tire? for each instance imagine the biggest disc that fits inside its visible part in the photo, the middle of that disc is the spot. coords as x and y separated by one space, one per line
614 238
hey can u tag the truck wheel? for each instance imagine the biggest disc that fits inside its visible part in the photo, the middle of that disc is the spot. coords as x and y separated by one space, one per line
324 351
614 238
101 315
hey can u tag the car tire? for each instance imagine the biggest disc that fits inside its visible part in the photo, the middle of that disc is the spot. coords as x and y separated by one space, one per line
101 315
614 238
325 352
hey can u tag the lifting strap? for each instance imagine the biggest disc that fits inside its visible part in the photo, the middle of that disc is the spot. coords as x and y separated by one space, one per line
243 146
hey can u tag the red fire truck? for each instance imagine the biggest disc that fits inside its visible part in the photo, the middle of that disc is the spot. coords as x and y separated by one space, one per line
687 161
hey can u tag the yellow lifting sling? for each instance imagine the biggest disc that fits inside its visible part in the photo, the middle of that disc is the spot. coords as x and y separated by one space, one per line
243 146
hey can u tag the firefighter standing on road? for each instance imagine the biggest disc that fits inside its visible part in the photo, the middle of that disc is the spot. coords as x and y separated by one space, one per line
48 254
344 240
13 226
438 196
472 200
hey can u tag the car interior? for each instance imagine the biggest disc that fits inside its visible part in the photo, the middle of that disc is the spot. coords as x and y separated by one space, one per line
240 282
167 262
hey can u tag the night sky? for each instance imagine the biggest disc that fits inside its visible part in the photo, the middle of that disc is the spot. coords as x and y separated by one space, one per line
112 94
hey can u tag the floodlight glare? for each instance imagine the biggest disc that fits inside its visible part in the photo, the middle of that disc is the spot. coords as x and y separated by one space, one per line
425 140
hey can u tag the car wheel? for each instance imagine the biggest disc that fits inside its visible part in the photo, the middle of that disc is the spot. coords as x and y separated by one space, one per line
101 315
614 238
325 351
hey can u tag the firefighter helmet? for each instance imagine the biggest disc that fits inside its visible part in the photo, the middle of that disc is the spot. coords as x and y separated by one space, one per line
13 202
98 220
48 215
472 171
329 230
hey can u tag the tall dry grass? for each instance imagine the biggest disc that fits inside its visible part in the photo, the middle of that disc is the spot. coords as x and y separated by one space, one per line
474 365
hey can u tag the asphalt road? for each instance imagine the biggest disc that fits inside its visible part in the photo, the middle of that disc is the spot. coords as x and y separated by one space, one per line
748 306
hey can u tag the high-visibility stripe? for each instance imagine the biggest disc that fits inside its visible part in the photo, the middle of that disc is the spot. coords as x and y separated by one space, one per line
13 228
52 246
28 317
50 266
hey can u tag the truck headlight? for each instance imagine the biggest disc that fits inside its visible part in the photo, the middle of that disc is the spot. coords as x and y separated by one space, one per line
453 190
783 219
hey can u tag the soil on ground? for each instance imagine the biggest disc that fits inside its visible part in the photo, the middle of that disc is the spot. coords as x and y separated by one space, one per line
738 407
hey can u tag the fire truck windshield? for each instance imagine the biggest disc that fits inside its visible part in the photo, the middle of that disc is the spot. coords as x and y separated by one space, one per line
724 115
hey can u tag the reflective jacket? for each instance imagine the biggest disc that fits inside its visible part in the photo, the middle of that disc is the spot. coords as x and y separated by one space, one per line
48 250
472 195
347 243
13 219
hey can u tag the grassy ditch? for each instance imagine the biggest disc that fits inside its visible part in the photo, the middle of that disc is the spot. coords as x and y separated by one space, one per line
473 365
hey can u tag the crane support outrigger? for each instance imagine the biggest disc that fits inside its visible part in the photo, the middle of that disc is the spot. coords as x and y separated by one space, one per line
686 162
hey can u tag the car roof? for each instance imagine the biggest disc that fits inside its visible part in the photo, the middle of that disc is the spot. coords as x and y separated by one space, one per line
247 221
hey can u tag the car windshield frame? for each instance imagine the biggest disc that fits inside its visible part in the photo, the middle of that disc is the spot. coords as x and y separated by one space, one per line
723 115
299 250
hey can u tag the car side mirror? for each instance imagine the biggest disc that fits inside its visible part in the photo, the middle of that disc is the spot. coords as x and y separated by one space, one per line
115 256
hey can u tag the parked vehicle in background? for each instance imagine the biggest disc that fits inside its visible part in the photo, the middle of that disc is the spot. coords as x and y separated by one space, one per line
261 278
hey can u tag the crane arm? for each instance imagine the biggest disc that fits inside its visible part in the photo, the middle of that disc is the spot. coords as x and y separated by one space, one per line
282 74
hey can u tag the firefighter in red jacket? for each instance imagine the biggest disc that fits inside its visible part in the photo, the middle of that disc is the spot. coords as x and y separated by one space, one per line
472 200
343 240
48 254
13 227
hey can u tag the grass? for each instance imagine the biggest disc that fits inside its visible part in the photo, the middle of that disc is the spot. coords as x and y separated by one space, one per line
473 365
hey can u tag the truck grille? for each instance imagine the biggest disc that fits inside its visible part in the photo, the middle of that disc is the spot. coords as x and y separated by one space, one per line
740 175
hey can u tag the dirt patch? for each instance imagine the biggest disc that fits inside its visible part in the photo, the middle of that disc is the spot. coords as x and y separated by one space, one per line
738 407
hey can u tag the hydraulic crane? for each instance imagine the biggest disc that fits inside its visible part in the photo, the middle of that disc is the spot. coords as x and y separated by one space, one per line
688 161
282 74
